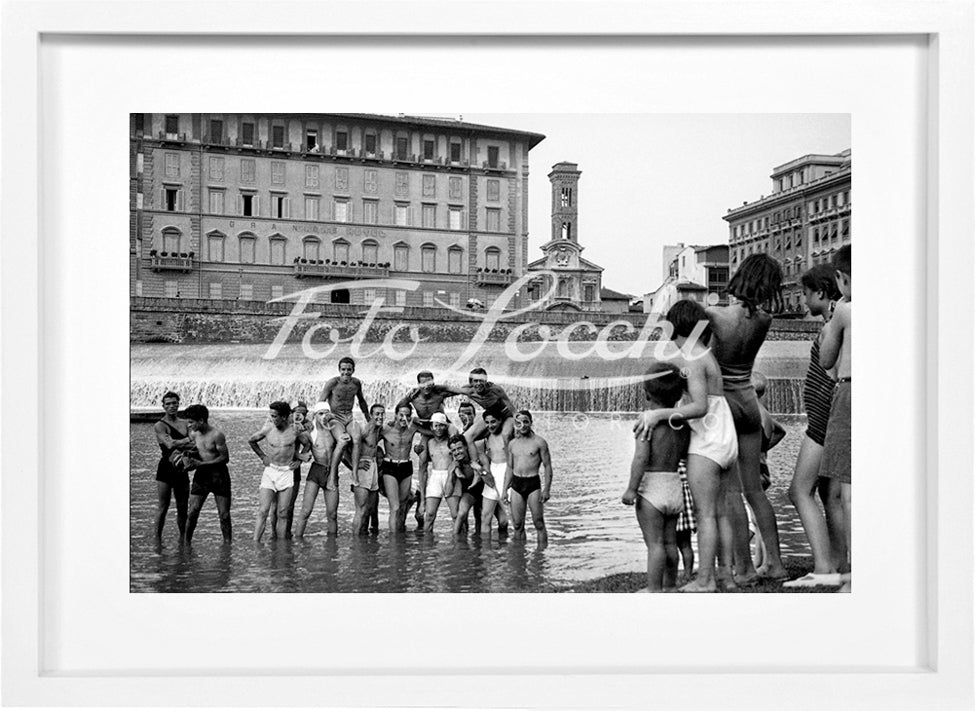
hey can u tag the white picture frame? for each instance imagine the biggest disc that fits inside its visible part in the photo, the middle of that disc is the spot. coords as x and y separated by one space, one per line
31 672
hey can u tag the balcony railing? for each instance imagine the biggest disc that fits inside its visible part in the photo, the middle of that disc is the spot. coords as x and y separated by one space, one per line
498 277
172 264
338 271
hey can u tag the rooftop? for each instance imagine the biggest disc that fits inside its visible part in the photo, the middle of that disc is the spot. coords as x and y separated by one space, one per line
533 138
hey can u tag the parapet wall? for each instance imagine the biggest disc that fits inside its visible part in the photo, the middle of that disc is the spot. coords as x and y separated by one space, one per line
192 321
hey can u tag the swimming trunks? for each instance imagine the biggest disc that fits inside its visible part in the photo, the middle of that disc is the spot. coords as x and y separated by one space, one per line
837 445
366 475
475 491
344 418
525 485
714 435
663 491
742 400
211 479
437 485
318 474
277 477
817 394
398 469
498 470
165 471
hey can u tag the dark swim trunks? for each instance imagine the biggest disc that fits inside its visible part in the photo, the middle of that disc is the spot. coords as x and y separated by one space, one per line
318 474
398 470
525 485
211 479
167 474
473 491
743 403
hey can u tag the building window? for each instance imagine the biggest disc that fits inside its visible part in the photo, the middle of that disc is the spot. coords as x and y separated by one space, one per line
402 214
172 290
492 156
341 141
428 149
216 202
370 252
455 188
370 212
590 292
172 241
216 131
216 290
277 291
215 248
492 258
139 163
368 296
370 182
371 144
248 204
563 289
277 172
454 299
247 292
428 261
402 183
342 179
311 207
172 165
566 230
401 258
138 286
311 176
248 169
216 168
455 259
401 297
247 249
493 220
429 186
172 127
428 299
455 218
172 199
311 249
311 140
455 151
340 252
493 190
277 137
280 206
277 251
247 133
429 215
402 147
341 210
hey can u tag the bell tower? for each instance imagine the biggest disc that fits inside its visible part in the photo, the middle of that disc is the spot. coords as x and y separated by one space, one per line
565 201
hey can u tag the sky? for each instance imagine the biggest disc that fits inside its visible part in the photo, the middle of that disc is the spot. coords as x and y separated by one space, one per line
654 179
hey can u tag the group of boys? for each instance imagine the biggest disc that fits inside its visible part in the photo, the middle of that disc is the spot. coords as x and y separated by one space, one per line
490 461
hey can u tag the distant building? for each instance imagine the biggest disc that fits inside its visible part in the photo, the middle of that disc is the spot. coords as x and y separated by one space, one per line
578 281
698 272
801 224
256 206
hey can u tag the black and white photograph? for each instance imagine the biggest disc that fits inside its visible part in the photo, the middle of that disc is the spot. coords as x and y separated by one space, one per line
490 353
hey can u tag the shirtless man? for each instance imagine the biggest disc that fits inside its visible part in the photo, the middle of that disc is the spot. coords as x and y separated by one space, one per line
365 472
496 455
322 444
279 465
434 477
427 398
492 398
341 394
172 434
461 471
397 468
299 419
527 454
211 475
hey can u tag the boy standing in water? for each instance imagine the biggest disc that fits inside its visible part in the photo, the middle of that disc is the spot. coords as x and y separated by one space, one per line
523 485
317 480
365 469
172 434
655 486
836 352
211 475
280 462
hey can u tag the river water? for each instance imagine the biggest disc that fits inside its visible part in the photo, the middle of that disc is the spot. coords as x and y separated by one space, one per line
591 534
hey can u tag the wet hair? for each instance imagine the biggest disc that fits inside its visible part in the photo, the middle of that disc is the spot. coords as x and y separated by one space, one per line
663 383
375 405
821 278
466 406
282 408
760 383
758 283
405 406
170 394
479 371
300 406
454 439
424 374
200 413
685 315
526 413
346 359
842 261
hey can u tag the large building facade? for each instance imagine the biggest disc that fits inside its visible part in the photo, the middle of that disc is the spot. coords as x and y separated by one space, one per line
801 223
258 206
